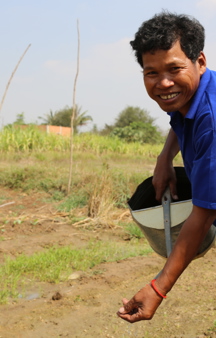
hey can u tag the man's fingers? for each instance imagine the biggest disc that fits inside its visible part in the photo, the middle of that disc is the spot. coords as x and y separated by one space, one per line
125 301
129 306
128 309
122 309
159 193
173 191
131 318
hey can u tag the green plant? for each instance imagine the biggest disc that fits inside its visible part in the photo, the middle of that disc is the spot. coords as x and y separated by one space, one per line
138 132
34 222
62 117
17 221
134 231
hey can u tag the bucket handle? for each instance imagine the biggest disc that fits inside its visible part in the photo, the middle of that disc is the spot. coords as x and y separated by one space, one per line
166 200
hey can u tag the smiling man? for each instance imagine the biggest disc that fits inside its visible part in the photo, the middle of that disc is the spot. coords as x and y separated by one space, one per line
169 48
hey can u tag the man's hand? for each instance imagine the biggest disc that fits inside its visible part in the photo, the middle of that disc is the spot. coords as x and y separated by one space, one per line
141 307
164 176
164 173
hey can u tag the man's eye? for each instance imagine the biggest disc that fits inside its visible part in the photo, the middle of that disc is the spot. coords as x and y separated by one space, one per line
150 73
175 68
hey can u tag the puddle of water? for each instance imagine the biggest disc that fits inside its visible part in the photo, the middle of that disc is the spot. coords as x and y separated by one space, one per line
30 296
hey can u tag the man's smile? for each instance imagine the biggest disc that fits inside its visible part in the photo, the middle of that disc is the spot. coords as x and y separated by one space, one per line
168 96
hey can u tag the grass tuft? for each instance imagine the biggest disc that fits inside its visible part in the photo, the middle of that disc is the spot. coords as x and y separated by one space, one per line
52 264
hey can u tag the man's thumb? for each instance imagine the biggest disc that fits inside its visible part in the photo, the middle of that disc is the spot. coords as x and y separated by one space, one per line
122 309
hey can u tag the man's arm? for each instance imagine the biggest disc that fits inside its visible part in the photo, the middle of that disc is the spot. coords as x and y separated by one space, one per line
164 173
188 242
144 304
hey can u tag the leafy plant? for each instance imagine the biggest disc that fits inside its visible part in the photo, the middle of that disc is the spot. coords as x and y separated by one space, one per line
138 132
62 118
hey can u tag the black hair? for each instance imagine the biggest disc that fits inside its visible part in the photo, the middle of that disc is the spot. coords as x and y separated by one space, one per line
164 29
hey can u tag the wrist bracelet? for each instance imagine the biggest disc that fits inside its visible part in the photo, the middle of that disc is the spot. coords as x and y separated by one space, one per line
156 290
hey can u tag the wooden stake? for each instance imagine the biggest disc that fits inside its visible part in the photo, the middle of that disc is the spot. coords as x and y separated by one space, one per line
11 77
73 112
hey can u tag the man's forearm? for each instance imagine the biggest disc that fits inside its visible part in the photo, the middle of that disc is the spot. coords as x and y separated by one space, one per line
189 240
171 147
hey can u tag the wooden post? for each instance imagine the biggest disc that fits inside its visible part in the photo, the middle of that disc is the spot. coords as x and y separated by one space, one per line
73 112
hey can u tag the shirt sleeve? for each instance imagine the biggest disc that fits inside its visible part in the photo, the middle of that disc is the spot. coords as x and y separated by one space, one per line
203 175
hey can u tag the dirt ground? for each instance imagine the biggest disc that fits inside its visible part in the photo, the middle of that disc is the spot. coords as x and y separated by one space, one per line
86 305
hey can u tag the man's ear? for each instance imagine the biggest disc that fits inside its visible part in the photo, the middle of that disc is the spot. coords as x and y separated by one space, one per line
202 63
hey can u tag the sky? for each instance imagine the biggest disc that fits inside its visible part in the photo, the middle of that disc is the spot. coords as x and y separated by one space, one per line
109 77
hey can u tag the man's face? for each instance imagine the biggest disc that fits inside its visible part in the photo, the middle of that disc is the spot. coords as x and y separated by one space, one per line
171 79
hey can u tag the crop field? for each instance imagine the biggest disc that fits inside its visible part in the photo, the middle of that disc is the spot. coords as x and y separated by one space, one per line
67 260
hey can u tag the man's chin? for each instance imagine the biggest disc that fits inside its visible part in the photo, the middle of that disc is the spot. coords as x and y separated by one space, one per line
166 109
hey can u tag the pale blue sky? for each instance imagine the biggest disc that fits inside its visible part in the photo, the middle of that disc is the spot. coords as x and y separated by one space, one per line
109 77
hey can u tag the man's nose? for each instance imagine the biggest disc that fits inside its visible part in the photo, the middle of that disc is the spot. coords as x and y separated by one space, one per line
165 82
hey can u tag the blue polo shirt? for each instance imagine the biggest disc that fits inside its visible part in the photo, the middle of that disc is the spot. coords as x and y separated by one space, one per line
196 134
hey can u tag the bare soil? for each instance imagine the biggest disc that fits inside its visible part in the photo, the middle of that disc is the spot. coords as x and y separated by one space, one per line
86 306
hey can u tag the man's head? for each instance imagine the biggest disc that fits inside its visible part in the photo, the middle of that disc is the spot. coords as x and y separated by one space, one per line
169 49
163 30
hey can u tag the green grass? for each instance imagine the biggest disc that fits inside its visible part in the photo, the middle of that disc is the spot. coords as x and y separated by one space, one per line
133 230
56 264
106 171
73 201
35 161
16 140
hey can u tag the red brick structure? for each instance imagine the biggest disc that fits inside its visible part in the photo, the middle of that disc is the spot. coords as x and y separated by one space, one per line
59 130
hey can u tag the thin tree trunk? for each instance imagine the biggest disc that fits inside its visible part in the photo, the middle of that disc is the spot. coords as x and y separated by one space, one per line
73 113
11 77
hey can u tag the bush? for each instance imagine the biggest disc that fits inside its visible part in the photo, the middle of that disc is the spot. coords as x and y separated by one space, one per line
138 132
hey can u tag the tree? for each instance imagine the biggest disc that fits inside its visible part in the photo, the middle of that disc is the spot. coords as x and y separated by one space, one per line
134 124
132 114
20 119
62 118
81 119
107 130
94 129
138 132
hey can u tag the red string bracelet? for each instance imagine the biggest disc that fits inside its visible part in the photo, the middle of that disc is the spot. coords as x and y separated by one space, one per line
156 290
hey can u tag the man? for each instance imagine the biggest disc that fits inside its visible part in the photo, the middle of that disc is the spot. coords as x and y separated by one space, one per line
169 48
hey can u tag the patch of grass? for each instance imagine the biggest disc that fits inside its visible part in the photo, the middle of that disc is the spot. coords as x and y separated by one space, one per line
40 157
137 178
121 190
106 171
54 263
133 230
35 178
58 195
73 201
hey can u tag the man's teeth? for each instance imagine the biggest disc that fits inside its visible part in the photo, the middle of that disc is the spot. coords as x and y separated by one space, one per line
170 96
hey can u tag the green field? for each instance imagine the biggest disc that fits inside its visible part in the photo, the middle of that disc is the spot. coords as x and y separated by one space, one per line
106 172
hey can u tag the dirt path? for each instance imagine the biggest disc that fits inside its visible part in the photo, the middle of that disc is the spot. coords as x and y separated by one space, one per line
86 306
